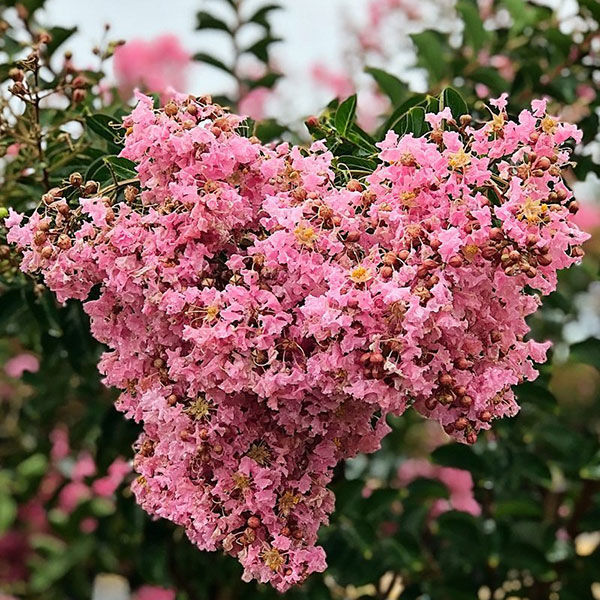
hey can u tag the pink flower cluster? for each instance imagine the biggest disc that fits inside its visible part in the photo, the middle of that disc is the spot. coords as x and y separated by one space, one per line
262 321
458 481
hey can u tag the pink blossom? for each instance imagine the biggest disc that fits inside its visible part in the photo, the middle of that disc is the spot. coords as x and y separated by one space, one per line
154 65
88 525
13 150
337 82
84 467
152 592
261 322
458 482
16 366
60 444
106 486
253 103
72 495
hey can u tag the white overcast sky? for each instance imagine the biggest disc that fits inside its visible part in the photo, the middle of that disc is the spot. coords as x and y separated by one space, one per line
312 30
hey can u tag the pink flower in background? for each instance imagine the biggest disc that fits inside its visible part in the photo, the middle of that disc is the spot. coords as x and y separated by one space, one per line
84 467
13 150
106 486
337 82
88 525
586 92
155 65
253 103
588 216
16 366
60 444
152 592
458 482
71 495
482 90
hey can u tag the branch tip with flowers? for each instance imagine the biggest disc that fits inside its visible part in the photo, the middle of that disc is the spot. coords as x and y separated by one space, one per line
265 309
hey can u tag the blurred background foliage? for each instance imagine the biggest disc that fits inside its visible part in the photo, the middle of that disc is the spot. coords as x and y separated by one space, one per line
517 515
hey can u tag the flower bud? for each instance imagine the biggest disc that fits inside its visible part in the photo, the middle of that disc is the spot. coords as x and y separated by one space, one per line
543 163
171 109
16 74
466 401
461 423
354 186
485 416
456 261
446 379
79 96
75 179
386 272
91 188
253 522
463 363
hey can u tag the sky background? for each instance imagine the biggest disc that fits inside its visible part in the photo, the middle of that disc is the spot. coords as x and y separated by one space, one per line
312 29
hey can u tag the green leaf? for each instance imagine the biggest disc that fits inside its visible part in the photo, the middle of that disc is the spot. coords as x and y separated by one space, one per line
266 81
269 130
423 489
416 121
587 352
533 394
5 67
490 77
475 34
262 14
593 6
260 49
212 61
401 111
98 171
524 507
431 53
357 164
389 84
34 466
362 139
460 529
592 469
204 20
122 167
458 456
59 36
8 512
105 127
456 103
345 114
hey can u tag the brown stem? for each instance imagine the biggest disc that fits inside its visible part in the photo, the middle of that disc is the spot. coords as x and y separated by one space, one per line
584 502
38 126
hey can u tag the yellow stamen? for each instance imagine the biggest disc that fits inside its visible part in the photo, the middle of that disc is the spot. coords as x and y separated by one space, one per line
459 159
273 559
306 236
549 125
360 274
199 409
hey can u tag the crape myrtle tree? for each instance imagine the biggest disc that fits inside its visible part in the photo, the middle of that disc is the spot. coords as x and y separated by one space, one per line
310 344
